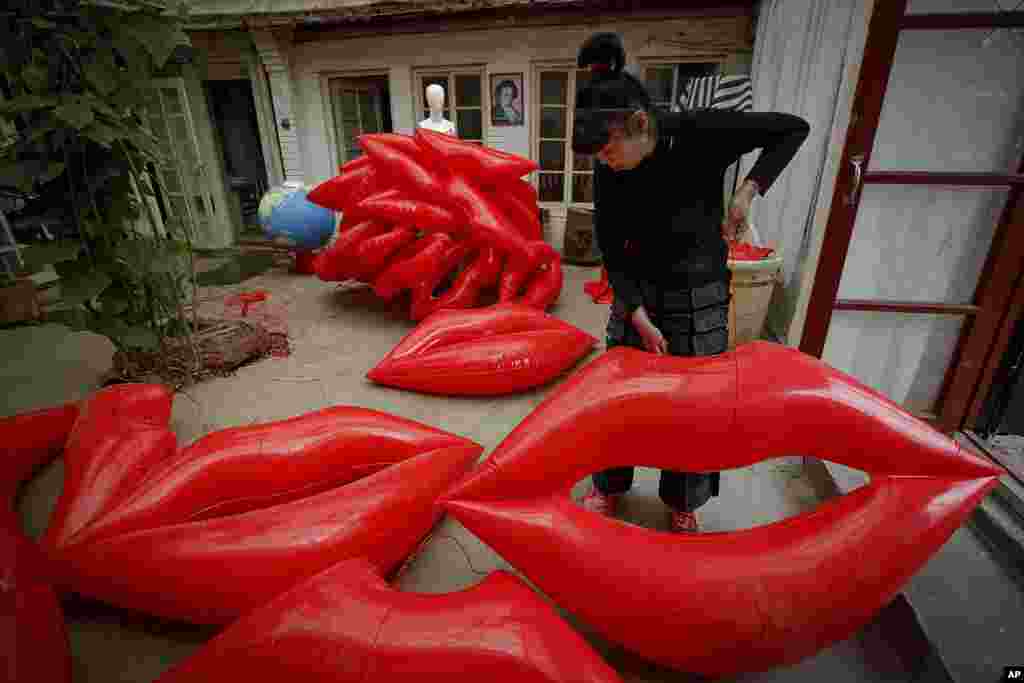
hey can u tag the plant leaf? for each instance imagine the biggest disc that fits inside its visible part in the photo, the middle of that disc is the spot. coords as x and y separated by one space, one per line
102 73
36 78
24 103
76 112
137 336
83 286
102 133
38 256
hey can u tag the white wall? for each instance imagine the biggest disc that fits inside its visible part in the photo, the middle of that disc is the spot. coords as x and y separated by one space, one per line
507 50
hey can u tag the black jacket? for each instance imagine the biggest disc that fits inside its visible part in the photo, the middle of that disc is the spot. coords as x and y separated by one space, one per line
669 208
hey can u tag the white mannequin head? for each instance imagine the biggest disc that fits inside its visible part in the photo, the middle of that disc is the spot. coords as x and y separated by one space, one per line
435 100
436 121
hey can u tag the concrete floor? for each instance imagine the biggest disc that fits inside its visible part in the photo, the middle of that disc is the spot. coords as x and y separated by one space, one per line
337 336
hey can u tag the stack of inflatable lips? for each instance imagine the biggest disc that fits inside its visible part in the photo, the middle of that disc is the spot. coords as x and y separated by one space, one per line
270 530
418 209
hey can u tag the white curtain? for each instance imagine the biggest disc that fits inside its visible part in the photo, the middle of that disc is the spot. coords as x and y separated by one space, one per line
803 51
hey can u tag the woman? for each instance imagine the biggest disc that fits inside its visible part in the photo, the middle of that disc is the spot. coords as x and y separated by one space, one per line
659 222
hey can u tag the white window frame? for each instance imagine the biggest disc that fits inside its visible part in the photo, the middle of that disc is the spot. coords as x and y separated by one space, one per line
451 94
535 122
327 106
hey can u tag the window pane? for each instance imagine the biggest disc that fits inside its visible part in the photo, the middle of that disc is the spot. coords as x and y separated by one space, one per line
920 242
953 103
441 81
552 122
552 156
551 187
368 111
659 83
583 188
582 162
172 102
903 356
467 91
470 124
553 87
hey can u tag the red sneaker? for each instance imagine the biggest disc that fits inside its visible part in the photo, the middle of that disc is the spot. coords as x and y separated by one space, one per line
595 501
684 522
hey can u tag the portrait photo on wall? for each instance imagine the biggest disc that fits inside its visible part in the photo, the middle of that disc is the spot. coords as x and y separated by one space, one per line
507 99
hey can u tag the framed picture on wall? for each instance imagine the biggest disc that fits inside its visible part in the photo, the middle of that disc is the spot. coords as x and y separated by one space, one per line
507 99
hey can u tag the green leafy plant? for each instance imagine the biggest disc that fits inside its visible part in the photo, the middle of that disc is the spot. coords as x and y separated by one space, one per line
76 78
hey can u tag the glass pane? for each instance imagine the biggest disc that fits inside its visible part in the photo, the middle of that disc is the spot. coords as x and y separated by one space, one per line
583 188
467 91
551 187
901 355
953 104
198 207
583 79
171 183
171 100
552 156
179 207
368 112
553 87
582 162
470 124
659 83
920 243
552 122
441 81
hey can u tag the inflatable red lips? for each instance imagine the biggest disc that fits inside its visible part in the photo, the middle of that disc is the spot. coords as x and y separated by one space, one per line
776 593
410 189
497 350
33 640
347 624
266 505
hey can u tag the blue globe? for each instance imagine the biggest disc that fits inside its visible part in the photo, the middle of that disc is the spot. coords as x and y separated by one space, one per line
285 213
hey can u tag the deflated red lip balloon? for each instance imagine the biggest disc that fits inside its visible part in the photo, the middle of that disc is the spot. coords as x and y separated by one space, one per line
347 624
491 351
777 593
33 640
143 527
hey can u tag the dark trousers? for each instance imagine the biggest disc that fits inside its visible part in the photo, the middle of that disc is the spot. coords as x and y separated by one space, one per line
695 322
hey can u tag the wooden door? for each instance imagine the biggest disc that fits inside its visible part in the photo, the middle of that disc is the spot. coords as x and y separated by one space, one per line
185 178
925 236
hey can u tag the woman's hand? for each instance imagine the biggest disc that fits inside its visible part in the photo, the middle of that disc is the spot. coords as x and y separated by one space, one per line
737 217
654 340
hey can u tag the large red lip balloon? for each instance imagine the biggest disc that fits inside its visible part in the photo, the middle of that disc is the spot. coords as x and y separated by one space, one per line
775 594
243 514
427 184
33 641
347 624
497 350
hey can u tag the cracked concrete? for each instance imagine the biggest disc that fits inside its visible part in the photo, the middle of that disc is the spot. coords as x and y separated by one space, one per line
337 336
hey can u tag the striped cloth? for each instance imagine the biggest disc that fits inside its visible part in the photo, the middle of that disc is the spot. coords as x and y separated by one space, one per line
718 92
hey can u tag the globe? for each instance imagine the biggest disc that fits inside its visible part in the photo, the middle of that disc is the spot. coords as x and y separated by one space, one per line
286 214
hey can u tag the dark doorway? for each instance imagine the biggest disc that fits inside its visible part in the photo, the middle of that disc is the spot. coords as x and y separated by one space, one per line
233 109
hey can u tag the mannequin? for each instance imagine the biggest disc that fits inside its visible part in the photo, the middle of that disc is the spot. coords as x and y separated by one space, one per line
435 100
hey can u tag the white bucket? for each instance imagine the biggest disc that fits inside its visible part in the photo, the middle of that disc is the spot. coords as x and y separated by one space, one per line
752 285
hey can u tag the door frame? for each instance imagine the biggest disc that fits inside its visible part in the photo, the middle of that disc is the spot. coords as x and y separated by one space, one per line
977 349
328 111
